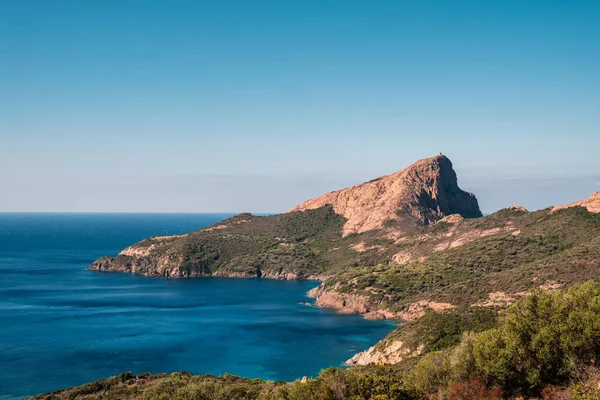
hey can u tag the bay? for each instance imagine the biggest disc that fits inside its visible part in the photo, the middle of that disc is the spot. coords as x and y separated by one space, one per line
62 325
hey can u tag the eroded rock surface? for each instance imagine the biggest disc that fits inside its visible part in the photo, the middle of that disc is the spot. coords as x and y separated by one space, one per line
592 204
427 191
383 355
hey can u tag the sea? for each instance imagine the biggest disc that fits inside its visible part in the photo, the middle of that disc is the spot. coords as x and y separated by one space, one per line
62 325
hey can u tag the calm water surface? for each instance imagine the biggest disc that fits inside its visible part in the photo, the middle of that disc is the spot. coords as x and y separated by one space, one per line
61 325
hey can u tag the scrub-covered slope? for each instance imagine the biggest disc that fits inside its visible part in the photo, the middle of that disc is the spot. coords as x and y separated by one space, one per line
452 291
490 261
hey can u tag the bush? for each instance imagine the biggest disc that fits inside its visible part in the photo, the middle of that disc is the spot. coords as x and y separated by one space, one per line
475 389
462 361
552 392
431 374
545 339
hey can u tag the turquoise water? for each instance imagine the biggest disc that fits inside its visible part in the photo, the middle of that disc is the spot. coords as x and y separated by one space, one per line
61 325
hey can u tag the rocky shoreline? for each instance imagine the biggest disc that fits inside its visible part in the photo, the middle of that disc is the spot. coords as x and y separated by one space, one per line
384 355
350 304
148 267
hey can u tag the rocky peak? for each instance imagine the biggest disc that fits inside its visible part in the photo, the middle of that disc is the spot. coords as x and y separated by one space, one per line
592 204
423 193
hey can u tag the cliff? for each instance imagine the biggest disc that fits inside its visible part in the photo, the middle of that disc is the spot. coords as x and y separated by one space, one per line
426 191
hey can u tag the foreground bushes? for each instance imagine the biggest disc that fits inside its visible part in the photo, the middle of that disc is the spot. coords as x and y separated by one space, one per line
547 338
371 383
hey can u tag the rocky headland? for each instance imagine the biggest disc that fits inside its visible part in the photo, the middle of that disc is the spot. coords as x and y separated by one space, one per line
311 240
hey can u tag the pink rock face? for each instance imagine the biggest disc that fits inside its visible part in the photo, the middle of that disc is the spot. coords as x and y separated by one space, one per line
343 302
424 192
592 204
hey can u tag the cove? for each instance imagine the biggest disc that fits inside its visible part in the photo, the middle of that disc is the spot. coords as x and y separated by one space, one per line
63 325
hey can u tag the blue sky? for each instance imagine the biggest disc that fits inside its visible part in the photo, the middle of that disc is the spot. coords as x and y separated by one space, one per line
206 106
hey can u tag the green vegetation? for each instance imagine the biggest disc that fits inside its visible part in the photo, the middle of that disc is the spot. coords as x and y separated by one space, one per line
562 247
395 286
247 245
440 330
375 383
547 338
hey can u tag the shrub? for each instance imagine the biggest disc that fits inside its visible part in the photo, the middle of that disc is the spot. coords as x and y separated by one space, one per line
545 339
475 389
431 374
462 361
552 392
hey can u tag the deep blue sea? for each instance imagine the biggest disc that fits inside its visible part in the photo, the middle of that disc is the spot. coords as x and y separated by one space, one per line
61 325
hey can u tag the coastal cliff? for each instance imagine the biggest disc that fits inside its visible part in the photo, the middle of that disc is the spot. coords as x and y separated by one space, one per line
315 239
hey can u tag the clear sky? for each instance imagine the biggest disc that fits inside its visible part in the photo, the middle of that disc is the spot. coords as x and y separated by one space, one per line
205 106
